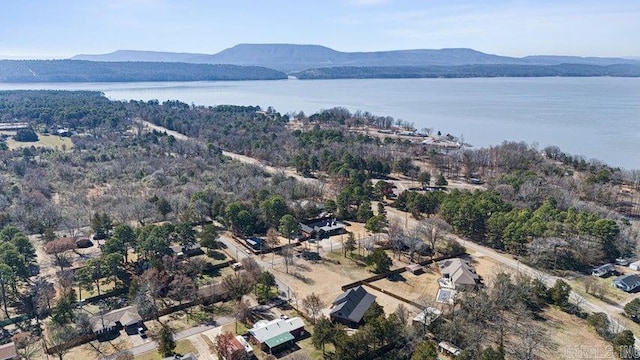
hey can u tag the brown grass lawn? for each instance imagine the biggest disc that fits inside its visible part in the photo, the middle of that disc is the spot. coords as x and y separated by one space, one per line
573 338
324 278
45 141
182 347
97 349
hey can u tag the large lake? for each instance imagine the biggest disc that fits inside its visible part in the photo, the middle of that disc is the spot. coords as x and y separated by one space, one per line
594 117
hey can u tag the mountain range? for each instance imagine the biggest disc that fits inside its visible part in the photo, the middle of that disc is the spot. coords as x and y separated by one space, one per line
292 58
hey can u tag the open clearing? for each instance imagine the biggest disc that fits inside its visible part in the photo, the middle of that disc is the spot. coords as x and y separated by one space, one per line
420 288
574 339
45 141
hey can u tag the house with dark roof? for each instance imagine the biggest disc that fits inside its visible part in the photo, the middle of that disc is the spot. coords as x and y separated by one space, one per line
8 352
628 283
321 227
256 243
126 318
459 274
349 308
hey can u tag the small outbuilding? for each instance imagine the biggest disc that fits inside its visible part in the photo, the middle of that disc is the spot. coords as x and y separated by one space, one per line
415 269
449 348
635 265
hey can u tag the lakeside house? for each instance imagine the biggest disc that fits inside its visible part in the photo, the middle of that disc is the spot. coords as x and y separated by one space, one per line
349 308
276 334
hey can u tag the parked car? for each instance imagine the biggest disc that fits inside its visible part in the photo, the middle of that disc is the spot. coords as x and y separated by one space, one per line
143 332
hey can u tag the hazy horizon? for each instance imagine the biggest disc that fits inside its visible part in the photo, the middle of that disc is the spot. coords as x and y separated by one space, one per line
35 30
45 57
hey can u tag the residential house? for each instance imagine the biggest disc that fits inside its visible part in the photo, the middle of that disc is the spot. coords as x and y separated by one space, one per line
126 318
276 334
414 244
458 274
603 270
628 283
8 352
349 308
321 228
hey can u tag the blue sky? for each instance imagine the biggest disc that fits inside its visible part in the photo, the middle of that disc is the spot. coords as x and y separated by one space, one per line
62 28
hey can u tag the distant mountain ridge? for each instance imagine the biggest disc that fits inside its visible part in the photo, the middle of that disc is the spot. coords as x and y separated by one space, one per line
290 57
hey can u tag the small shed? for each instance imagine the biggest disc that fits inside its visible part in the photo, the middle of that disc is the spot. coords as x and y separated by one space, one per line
414 269
449 348
635 265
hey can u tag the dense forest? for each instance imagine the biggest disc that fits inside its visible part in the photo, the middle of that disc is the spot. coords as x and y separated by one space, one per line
468 71
94 71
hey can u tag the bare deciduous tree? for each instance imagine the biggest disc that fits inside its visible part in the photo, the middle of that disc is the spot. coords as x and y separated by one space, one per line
313 305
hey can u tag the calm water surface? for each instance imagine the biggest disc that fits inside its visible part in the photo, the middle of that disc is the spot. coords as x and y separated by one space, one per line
594 117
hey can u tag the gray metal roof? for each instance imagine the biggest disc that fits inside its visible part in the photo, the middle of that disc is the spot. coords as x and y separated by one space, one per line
126 316
459 271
